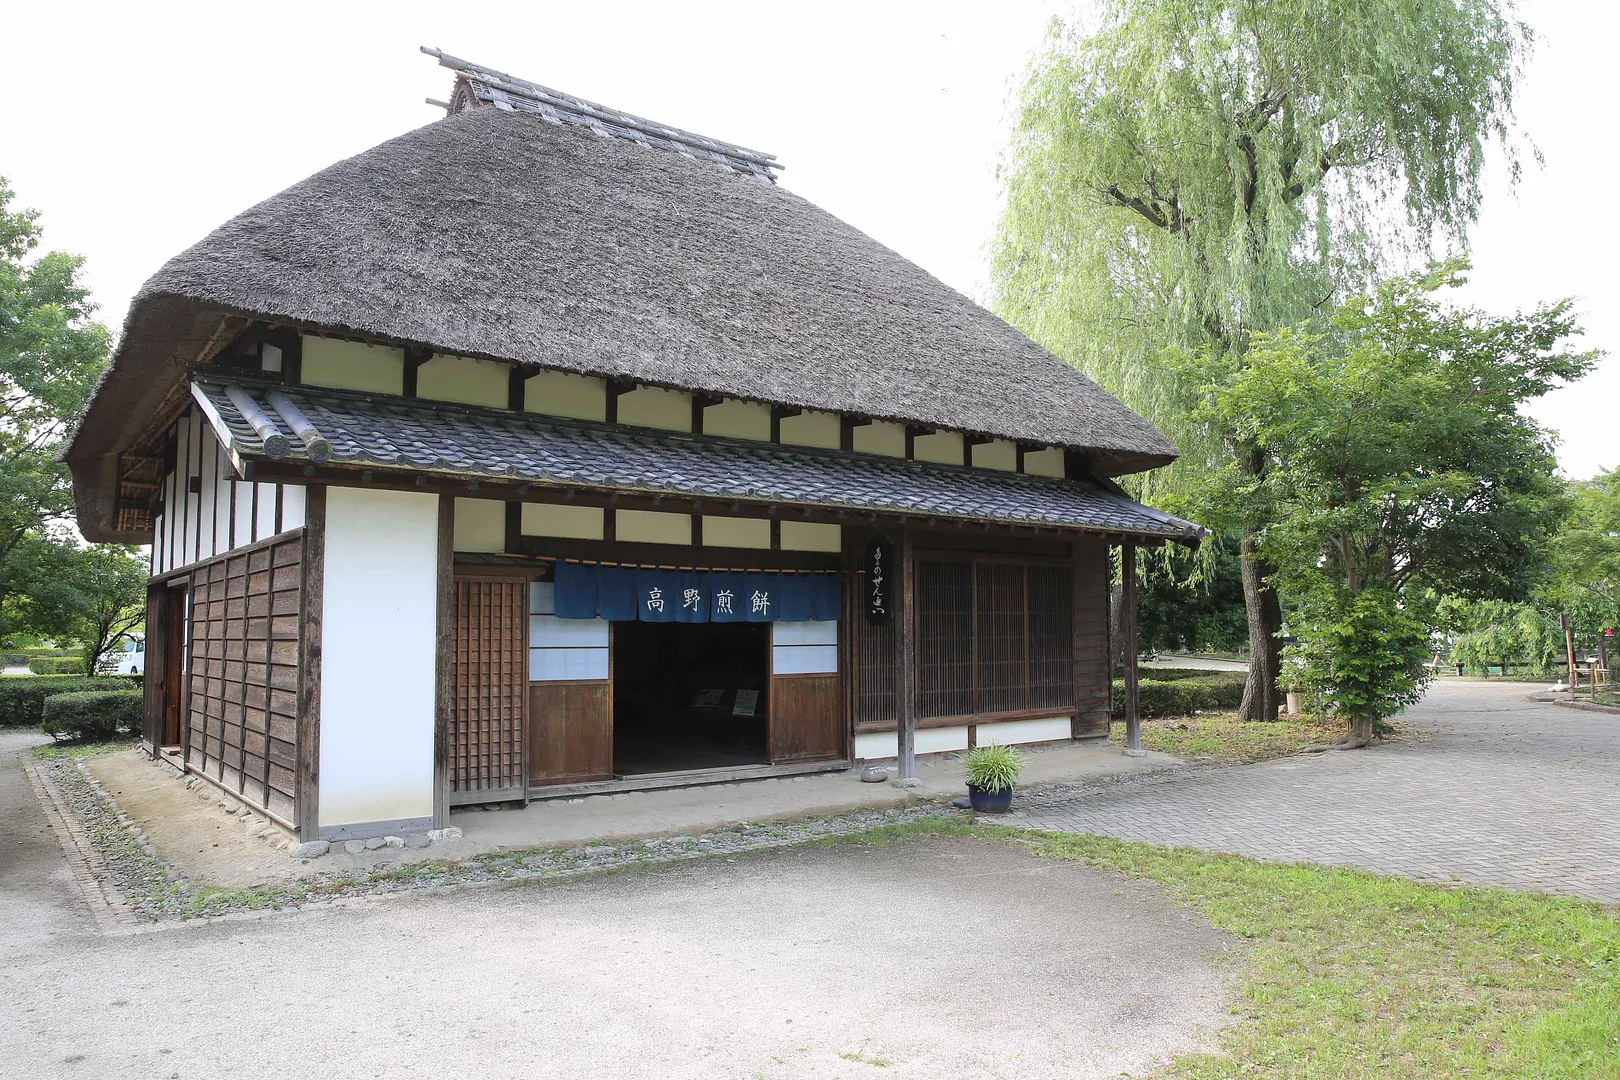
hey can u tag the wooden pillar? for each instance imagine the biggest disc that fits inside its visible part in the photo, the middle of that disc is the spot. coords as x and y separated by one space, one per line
311 603
1133 719
906 658
443 700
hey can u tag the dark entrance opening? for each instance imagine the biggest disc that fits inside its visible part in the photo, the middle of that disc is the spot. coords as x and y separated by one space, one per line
689 696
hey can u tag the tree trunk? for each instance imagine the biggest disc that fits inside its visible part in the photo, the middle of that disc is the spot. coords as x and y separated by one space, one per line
1116 630
1360 733
1264 612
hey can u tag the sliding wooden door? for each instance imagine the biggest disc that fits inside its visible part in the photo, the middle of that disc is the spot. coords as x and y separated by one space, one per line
489 690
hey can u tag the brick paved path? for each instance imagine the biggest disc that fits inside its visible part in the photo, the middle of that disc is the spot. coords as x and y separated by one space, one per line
1488 789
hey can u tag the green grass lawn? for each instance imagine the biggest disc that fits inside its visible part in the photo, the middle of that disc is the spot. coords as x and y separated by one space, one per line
1222 737
1353 975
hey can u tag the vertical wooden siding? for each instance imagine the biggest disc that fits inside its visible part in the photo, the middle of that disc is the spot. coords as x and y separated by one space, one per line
806 721
244 674
1051 622
489 687
1001 671
1093 681
944 638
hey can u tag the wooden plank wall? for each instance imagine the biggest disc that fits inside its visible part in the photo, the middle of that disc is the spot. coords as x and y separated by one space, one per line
807 719
244 674
1093 684
570 731
489 686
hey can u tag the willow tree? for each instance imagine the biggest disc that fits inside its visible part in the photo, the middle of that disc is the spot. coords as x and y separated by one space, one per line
1188 172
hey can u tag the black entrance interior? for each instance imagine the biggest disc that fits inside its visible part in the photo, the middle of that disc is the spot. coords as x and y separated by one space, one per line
689 696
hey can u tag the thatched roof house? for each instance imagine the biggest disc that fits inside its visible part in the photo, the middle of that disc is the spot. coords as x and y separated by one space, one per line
580 338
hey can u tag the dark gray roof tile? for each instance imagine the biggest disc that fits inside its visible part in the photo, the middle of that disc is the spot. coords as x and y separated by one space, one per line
367 431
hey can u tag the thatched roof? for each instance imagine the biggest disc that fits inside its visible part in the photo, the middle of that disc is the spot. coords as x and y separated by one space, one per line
501 234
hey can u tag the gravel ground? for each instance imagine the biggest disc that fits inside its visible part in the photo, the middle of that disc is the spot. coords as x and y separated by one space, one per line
155 891
942 956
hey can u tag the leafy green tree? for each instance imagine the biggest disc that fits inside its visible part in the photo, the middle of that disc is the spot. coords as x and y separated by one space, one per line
1521 636
1398 464
1193 602
100 597
1362 652
1192 172
51 351
1586 557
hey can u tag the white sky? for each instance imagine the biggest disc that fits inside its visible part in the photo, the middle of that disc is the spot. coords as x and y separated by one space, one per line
136 129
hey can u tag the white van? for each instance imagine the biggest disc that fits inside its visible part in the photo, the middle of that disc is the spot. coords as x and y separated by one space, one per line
128 657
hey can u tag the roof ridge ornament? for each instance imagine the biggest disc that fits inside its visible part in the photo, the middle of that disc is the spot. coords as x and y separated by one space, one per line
478 86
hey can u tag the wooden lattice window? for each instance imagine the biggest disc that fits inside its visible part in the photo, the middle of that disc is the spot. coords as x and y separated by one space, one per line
1051 636
490 682
874 670
944 638
1002 643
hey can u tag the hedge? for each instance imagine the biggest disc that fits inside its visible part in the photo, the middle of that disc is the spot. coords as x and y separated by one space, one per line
1182 697
57 665
92 714
1177 674
22 697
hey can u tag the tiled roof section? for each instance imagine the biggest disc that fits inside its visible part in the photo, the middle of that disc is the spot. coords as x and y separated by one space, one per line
397 433
513 94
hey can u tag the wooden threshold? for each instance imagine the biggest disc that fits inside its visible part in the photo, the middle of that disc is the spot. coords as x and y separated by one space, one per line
690 778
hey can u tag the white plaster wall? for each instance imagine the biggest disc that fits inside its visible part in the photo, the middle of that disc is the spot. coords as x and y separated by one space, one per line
377 656
220 517
886 744
1048 462
1025 731
550 519
719 531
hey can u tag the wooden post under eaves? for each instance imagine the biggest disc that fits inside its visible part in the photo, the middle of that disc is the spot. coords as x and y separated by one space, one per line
1127 628
906 658
307 734
443 702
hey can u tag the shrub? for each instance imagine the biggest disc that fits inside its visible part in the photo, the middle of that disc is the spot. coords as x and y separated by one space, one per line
16 658
1182 697
1166 674
57 665
22 698
89 715
993 768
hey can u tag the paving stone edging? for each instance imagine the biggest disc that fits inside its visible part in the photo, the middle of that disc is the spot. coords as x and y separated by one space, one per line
141 887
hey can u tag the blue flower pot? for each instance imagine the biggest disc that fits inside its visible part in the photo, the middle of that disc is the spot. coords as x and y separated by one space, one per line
990 802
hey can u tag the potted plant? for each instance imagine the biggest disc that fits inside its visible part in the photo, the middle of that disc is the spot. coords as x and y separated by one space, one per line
991 773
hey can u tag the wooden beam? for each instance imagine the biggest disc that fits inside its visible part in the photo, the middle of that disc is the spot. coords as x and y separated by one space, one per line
1128 630
443 688
414 359
906 658
516 388
307 783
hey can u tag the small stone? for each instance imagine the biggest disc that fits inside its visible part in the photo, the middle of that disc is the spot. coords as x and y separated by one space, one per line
417 840
309 849
908 782
393 841
354 847
449 832
874 774
598 849
374 842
